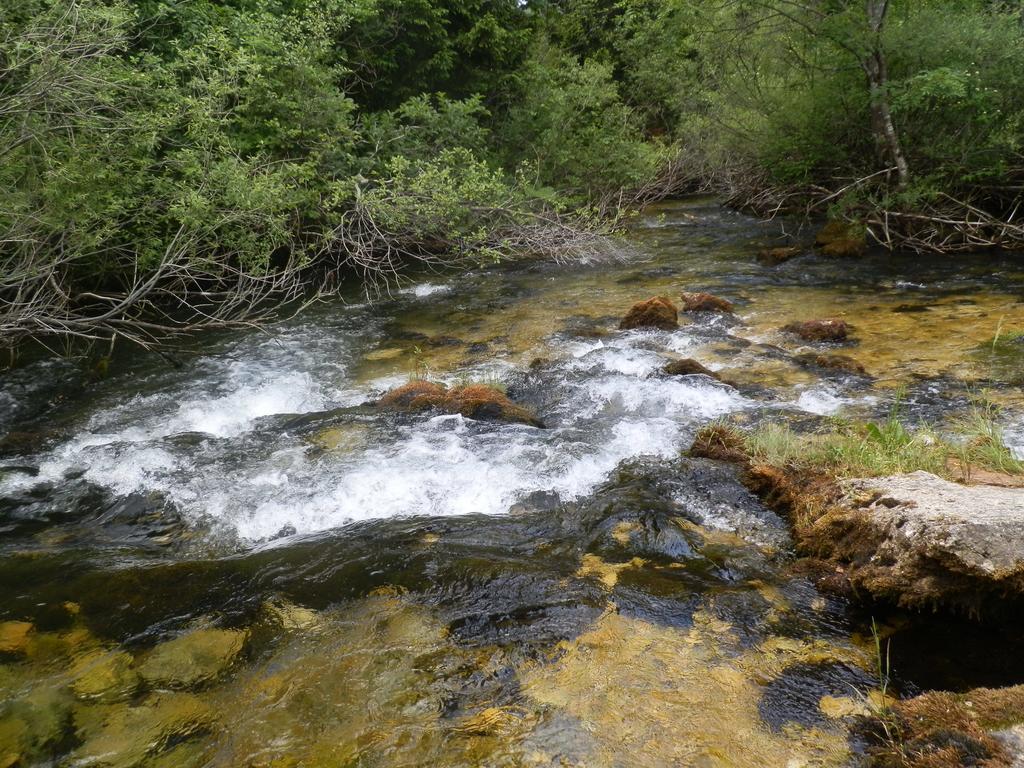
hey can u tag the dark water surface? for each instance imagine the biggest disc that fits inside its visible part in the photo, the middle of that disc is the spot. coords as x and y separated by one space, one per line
239 563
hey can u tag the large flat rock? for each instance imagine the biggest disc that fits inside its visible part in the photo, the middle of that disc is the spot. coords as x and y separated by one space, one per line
917 539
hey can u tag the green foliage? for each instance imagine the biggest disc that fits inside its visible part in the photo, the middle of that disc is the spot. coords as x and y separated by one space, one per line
428 204
869 449
235 137
573 128
790 94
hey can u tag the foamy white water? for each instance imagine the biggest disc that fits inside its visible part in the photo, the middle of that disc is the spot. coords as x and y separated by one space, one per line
609 406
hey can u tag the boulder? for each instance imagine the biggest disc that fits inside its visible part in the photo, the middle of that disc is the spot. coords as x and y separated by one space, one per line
830 330
417 395
706 302
195 658
772 257
481 402
687 367
841 239
656 312
690 367
486 403
831 362
918 541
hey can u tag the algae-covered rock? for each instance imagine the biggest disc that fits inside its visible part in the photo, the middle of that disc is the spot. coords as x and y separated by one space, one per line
198 657
32 721
690 367
665 696
481 402
104 675
124 737
831 362
289 616
656 312
416 395
841 239
830 330
15 636
706 302
772 257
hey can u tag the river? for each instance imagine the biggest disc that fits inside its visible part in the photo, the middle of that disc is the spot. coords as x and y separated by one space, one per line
237 561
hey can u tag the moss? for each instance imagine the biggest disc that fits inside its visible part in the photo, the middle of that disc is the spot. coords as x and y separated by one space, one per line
947 730
841 239
830 330
706 302
483 402
417 395
721 442
656 312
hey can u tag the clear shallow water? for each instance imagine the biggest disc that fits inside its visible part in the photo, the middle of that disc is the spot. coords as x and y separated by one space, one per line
398 589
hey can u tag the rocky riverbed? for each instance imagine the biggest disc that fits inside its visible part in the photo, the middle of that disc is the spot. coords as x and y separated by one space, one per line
455 526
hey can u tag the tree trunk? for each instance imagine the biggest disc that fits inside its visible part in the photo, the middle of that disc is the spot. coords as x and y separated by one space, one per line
874 65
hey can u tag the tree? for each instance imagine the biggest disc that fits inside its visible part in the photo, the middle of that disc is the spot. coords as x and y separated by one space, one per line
858 31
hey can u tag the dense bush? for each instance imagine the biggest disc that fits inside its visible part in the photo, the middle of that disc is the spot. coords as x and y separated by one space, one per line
191 147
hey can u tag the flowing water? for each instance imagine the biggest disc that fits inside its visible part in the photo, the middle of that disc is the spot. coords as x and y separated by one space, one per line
240 561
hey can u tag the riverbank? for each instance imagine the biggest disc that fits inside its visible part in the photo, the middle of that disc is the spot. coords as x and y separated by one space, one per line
913 541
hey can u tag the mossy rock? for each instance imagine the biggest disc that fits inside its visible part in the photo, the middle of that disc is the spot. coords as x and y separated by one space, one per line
841 238
706 302
486 403
656 312
772 257
481 402
830 330
194 659
104 675
417 395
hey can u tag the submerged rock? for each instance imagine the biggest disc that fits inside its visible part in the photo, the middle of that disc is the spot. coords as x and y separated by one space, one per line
841 239
690 367
15 636
831 362
193 659
104 675
772 257
474 401
656 312
706 302
831 330
120 736
32 724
